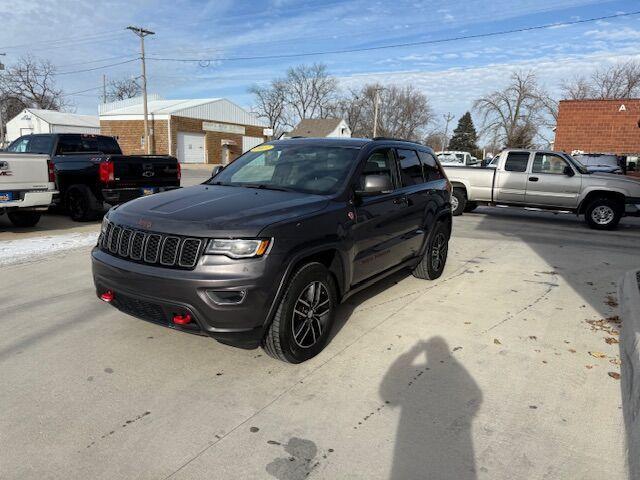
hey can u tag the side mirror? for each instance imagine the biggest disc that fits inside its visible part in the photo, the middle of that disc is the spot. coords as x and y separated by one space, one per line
216 170
375 185
568 171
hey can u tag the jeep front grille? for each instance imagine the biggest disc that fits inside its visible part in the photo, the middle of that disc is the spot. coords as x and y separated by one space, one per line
149 247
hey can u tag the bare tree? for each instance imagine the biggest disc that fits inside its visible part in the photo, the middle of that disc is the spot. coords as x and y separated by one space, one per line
516 114
31 83
121 89
404 112
621 80
307 91
270 104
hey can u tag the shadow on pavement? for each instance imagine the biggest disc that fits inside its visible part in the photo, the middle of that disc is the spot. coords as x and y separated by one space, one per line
438 400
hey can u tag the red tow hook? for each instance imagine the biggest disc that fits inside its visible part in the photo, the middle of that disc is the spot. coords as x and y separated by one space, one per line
182 319
107 296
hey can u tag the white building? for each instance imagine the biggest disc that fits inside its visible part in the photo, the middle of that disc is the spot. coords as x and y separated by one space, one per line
34 120
320 127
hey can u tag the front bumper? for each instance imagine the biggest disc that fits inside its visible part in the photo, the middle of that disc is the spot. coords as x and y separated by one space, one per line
31 200
156 294
115 196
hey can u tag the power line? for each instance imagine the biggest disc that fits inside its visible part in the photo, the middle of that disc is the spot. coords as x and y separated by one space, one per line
63 39
399 45
98 68
97 61
82 91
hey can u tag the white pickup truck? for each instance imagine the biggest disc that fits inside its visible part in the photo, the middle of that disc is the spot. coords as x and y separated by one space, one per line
545 180
27 186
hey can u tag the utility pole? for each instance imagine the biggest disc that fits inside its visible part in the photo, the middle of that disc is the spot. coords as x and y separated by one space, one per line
1 120
141 32
447 118
376 103
104 88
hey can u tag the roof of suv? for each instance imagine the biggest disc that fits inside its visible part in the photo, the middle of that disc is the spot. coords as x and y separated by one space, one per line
344 142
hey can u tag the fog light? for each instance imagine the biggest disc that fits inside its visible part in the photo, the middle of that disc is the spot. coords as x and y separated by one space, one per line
227 297
107 296
182 319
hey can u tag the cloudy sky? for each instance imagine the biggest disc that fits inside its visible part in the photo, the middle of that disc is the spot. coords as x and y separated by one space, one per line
219 35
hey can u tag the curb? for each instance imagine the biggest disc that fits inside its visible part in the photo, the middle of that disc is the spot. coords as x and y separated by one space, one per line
629 298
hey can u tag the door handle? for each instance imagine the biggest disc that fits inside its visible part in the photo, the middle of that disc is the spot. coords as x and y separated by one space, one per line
533 179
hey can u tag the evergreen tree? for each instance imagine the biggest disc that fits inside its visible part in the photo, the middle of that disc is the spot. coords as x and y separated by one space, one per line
464 136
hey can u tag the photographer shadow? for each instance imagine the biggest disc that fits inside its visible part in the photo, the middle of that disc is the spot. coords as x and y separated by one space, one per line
438 399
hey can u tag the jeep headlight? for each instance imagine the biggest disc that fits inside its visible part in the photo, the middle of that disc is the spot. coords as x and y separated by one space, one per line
238 248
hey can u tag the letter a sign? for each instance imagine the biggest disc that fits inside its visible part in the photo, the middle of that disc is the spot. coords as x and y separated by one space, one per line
622 108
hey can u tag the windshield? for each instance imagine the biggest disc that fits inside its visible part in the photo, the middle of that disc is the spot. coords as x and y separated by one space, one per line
302 168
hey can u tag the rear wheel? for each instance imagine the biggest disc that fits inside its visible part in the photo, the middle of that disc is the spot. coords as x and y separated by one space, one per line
603 214
435 256
82 204
24 219
303 321
458 201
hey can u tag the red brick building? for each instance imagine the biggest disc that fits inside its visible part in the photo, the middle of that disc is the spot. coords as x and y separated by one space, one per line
210 130
599 126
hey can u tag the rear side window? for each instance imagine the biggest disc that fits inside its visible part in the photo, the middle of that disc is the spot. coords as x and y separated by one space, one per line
39 144
86 144
516 162
430 167
410 167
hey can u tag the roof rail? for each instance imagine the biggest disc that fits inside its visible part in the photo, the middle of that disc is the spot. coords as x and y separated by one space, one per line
396 139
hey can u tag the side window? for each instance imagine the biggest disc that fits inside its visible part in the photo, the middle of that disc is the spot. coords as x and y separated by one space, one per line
19 146
430 167
69 144
39 144
516 162
379 162
410 167
549 163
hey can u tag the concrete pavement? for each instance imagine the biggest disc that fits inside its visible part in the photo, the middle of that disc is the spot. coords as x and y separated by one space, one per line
484 373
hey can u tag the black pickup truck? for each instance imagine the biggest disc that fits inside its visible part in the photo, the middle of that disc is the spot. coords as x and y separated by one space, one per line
91 171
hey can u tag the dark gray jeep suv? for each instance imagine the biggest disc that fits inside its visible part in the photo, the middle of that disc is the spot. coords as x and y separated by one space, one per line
263 252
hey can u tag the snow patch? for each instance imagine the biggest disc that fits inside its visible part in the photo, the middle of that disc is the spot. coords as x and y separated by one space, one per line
28 249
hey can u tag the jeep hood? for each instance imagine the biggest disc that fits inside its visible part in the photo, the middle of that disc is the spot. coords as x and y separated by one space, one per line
213 210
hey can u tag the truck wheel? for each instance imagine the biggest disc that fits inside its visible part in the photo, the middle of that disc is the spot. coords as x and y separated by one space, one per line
603 214
304 318
24 219
458 201
434 259
471 206
82 204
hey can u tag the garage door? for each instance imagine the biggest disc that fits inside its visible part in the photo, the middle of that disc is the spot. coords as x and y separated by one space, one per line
191 147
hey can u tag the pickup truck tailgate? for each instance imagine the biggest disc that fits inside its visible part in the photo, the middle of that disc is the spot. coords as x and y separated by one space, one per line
145 171
23 172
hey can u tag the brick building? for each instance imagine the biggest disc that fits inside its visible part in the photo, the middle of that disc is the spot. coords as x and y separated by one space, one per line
599 126
211 130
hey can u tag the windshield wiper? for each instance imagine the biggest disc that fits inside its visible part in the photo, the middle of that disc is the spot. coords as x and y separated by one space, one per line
223 184
263 186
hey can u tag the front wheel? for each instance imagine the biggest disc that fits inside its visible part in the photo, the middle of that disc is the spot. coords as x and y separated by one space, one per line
303 321
603 214
24 219
434 259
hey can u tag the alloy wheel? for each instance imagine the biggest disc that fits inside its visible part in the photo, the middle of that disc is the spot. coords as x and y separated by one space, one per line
602 215
438 251
310 314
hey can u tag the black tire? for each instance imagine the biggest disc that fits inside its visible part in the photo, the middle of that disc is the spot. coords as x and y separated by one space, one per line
603 214
24 219
81 204
458 201
434 259
280 341
471 206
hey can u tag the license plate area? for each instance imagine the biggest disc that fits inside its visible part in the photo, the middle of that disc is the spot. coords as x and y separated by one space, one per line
148 190
6 197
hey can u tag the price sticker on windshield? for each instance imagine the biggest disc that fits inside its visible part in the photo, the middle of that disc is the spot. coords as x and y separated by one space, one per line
262 148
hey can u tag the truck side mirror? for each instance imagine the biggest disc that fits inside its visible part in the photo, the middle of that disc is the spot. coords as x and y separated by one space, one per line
568 171
216 170
375 185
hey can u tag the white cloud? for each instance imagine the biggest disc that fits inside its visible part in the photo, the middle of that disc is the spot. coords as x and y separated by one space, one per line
614 34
